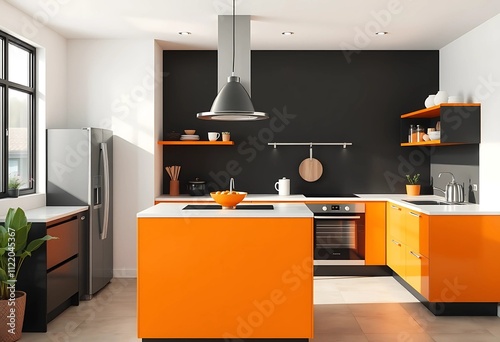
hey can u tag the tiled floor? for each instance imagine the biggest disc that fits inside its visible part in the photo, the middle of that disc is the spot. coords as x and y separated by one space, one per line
346 309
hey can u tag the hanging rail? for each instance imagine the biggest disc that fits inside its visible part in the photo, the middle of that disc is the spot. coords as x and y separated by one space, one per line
310 144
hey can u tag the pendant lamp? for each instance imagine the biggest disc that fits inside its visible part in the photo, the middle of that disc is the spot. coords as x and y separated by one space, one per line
233 102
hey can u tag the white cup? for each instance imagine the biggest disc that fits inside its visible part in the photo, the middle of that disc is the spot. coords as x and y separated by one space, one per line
283 186
212 136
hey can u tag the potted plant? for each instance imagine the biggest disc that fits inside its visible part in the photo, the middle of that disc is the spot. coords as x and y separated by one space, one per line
13 186
14 248
413 188
226 136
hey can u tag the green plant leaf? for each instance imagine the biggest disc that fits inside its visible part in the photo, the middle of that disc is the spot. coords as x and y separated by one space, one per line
35 244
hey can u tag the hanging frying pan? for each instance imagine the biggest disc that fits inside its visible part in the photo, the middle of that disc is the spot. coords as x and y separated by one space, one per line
310 169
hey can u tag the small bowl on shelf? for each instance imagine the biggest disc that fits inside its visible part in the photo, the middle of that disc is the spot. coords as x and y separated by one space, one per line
227 199
435 135
190 131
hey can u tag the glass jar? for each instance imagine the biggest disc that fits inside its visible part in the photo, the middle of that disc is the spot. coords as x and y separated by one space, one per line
411 133
420 132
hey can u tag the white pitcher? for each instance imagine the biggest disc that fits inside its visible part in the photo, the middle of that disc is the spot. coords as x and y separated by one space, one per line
283 186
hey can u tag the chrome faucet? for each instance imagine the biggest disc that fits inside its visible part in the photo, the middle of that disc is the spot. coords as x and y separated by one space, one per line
231 184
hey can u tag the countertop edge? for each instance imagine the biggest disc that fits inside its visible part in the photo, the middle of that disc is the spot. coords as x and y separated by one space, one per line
51 213
462 209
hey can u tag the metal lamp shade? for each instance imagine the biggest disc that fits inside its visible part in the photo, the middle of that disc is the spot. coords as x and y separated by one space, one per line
232 104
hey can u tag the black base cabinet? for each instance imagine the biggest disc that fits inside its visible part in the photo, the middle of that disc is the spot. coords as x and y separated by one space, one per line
52 277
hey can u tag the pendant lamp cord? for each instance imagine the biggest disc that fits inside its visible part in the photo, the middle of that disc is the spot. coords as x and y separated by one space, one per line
232 71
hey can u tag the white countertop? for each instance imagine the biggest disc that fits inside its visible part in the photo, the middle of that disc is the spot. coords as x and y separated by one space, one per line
51 213
462 209
174 210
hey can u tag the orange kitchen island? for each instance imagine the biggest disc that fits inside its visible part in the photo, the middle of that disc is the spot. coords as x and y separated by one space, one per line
225 274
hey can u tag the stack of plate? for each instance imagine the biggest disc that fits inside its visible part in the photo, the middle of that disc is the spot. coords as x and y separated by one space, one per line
190 137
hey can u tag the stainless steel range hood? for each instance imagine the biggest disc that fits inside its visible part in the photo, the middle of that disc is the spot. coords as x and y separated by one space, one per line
233 101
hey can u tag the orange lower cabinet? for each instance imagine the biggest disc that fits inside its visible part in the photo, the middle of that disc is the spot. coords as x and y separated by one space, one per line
464 254
375 233
225 278
396 258
417 271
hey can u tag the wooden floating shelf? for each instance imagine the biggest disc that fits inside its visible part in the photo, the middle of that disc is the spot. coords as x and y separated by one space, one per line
195 143
434 111
429 143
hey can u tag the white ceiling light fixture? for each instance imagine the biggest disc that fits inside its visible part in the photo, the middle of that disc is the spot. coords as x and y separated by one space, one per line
287 33
184 33
381 33
233 102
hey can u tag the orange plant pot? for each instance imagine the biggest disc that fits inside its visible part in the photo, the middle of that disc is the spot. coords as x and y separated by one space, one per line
412 190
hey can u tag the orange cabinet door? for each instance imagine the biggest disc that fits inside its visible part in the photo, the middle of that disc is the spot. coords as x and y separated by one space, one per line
417 271
396 256
375 233
396 222
417 231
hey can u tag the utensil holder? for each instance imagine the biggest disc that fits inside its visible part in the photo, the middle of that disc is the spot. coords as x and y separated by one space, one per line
174 188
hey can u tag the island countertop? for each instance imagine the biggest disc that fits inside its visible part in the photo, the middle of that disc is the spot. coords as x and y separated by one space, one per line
175 210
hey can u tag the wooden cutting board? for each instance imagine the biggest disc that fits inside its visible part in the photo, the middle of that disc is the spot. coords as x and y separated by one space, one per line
310 169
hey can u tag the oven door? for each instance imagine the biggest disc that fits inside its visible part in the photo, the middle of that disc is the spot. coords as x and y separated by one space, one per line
339 239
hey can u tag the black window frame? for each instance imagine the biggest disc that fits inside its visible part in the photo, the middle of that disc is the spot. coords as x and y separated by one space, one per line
28 184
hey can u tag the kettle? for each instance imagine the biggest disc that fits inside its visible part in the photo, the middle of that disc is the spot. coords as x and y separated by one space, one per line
454 192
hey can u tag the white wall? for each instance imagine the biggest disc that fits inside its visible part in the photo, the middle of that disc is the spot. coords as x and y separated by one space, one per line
112 84
470 66
51 87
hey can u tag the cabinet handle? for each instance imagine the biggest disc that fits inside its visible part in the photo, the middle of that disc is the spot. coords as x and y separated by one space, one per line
82 218
414 214
415 255
394 207
396 243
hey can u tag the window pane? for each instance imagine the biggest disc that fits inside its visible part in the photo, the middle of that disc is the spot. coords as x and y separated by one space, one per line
1 57
19 65
19 143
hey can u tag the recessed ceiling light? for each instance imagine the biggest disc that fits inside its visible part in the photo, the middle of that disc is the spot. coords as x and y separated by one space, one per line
381 33
184 33
287 33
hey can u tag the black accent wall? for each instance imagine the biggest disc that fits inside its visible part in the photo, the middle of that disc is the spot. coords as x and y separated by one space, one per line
313 96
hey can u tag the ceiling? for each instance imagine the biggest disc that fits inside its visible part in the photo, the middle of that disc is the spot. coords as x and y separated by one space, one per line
318 24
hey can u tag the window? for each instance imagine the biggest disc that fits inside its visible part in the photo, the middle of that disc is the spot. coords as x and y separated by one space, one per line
17 113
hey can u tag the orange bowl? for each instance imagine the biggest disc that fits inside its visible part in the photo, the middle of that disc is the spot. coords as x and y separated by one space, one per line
228 199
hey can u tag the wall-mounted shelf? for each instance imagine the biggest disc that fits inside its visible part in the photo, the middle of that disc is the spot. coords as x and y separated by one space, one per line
344 144
195 143
460 124
428 143
435 111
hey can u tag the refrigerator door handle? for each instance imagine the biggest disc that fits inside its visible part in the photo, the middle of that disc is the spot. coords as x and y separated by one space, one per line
104 148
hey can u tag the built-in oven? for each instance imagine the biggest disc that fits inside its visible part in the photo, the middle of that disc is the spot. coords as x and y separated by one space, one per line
339 233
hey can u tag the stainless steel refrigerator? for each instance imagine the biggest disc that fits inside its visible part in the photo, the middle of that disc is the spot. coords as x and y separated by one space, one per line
79 172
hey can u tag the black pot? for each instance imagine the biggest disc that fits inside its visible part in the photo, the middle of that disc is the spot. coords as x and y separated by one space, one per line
196 187
13 192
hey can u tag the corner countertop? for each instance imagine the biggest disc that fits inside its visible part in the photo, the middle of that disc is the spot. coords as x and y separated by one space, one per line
399 199
50 213
175 210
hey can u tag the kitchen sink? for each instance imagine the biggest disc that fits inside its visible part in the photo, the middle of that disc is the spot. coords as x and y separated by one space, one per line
427 202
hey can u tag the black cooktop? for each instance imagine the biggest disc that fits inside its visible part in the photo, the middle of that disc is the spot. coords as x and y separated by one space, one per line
239 206
330 195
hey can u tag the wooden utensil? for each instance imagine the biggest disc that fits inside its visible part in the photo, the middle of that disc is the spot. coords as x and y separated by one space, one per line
310 169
